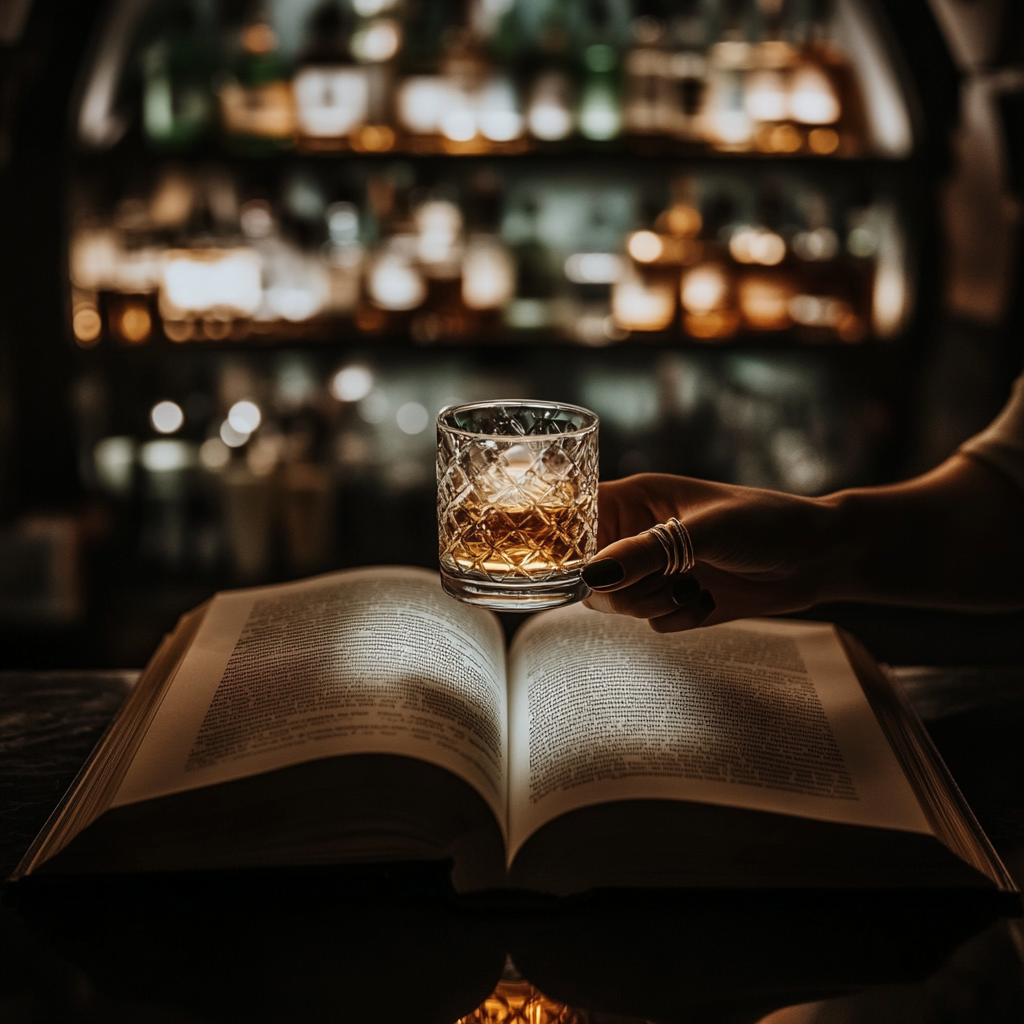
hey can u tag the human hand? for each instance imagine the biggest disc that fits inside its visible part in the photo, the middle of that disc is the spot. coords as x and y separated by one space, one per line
757 552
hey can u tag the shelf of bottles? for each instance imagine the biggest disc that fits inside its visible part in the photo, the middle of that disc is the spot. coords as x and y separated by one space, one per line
486 253
503 76
435 226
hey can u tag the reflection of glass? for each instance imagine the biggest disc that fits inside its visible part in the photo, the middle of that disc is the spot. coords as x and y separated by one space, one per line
515 1001
516 502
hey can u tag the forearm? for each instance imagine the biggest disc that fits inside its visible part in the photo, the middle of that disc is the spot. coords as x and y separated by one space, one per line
953 538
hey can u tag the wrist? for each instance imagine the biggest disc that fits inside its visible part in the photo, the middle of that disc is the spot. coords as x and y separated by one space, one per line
840 547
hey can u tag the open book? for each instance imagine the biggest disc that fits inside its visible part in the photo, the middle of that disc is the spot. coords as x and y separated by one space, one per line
365 716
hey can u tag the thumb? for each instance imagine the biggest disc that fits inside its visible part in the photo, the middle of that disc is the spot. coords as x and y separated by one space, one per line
624 562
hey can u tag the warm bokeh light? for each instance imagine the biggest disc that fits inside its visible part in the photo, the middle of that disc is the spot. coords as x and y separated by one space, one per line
87 325
197 281
645 246
823 141
135 323
764 302
812 99
683 220
244 417
639 305
704 289
765 96
376 42
488 274
352 383
756 245
394 283
166 417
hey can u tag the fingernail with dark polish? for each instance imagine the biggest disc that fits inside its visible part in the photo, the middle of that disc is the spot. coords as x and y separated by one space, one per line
605 572
685 589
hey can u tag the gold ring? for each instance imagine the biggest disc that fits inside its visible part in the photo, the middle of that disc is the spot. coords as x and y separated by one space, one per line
675 539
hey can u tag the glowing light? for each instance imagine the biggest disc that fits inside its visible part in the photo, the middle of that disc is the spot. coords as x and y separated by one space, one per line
202 280
639 306
135 323
94 259
488 274
165 456
166 417
244 417
214 454
393 283
683 220
593 268
784 138
373 138
498 114
756 245
422 101
352 383
459 124
823 141
114 459
412 418
377 42
645 246
549 115
704 289
812 100
86 324
764 302
765 96
231 437
259 38
439 223
600 116
331 101
862 242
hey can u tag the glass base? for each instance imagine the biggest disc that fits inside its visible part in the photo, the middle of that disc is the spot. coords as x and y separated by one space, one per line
515 597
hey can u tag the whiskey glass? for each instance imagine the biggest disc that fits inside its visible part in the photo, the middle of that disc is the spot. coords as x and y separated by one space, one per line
516 502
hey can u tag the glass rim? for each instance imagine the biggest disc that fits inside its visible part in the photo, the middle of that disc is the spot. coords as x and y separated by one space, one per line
522 403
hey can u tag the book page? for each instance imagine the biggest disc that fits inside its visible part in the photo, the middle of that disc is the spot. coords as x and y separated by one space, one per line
365 661
762 714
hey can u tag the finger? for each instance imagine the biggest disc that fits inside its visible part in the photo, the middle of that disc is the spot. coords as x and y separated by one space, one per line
651 597
690 615
625 562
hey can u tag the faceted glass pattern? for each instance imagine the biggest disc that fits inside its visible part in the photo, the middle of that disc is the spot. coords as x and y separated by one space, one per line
518 1002
516 502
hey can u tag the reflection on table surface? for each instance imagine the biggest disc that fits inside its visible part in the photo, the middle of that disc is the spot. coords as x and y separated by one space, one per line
367 948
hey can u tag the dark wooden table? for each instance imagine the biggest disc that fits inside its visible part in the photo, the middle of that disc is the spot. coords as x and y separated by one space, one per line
391 949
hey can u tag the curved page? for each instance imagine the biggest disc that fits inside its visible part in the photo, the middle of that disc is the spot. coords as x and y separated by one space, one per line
761 714
368 661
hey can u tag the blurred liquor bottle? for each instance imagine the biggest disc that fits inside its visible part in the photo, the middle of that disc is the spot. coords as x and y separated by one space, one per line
601 37
332 93
177 68
256 101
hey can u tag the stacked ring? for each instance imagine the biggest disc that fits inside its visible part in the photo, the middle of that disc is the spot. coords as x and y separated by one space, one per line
675 539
